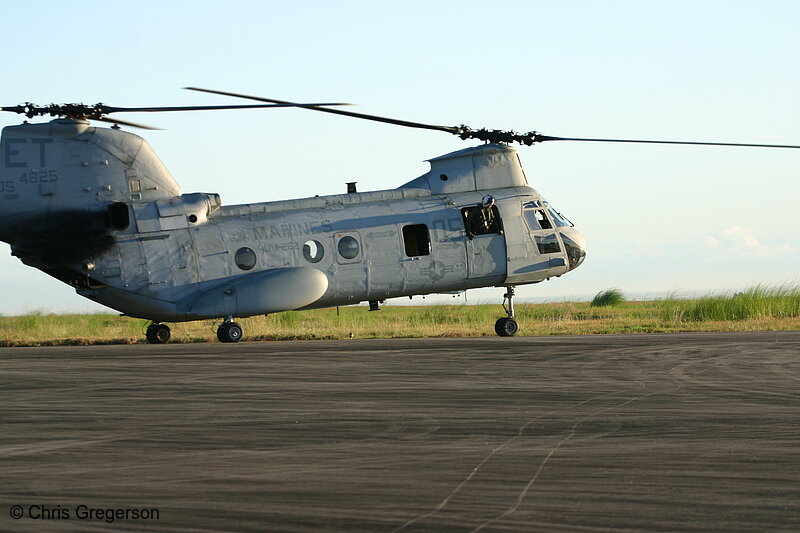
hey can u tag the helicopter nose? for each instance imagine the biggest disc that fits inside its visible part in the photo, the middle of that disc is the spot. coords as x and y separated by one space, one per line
575 245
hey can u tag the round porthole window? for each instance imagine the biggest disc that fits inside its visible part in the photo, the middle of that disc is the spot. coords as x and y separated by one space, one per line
245 258
313 251
348 247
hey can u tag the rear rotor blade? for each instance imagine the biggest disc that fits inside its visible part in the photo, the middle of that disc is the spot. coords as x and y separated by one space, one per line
14 109
126 123
111 109
98 111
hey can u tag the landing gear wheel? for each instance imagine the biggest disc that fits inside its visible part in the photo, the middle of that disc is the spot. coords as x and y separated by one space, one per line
157 333
229 332
506 327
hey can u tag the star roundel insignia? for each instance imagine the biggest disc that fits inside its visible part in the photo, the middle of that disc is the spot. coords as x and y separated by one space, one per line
436 271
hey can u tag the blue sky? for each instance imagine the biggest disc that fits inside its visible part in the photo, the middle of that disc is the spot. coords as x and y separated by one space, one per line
656 218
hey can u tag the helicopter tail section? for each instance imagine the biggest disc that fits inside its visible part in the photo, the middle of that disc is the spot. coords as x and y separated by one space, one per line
66 188
65 164
63 171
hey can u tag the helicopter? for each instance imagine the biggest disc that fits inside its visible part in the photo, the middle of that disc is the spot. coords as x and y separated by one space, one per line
95 208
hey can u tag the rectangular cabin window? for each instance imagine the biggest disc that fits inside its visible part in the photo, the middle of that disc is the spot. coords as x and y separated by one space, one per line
417 240
479 220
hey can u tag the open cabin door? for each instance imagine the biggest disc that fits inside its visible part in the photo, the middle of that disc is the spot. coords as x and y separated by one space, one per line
419 267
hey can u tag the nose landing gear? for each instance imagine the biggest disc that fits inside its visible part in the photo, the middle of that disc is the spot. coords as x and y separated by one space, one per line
507 326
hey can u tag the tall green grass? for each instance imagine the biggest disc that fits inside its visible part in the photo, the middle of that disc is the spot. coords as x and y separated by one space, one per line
761 301
607 298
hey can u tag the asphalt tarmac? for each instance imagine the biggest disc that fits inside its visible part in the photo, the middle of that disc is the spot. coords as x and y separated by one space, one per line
678 432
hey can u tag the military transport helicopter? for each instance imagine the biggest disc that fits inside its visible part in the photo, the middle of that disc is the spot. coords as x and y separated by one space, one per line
95 208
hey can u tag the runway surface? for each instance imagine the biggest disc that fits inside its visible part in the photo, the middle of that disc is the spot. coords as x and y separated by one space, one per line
674 432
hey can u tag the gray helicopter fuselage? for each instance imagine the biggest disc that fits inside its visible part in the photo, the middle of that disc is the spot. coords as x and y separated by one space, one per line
95 208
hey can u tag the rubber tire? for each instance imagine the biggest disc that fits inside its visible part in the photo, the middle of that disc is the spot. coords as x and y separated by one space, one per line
506 327
229 332
158 334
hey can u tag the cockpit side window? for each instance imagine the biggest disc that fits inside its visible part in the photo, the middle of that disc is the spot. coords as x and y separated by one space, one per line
547 244
536 215
536 219
544 222
531 220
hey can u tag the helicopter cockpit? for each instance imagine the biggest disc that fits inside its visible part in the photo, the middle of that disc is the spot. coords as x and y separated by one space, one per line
540 217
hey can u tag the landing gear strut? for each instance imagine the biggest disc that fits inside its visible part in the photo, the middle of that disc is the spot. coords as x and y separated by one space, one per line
507 326
157 333
229 331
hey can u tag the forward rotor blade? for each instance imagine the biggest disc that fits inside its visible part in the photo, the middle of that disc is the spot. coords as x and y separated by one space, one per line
409 124
466 132
543 138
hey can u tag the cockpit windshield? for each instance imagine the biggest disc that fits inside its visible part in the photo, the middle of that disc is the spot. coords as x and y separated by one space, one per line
559 219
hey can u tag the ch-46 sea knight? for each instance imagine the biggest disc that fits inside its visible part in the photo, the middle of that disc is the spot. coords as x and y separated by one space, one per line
94 207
